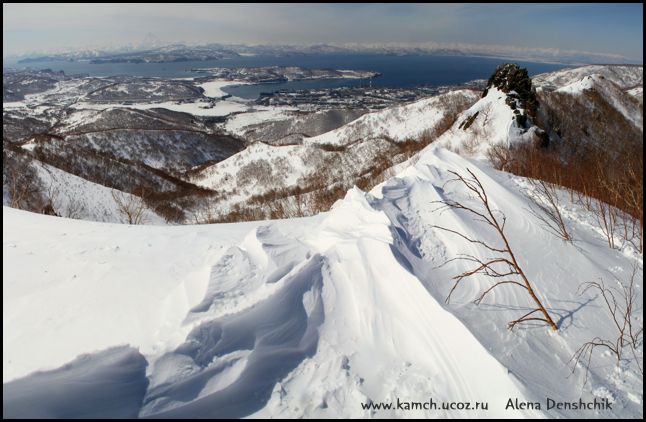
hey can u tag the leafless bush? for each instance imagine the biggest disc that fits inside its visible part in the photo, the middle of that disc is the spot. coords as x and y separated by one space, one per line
22 183
256 172
606 217
51 197
499 156
130 206
73 209
504 267
620 304
547 208
612 193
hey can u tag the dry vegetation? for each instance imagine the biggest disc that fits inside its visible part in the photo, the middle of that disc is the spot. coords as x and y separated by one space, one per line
503 268
596 155
335 169
620 303
20 182
546 206
607 182
334 175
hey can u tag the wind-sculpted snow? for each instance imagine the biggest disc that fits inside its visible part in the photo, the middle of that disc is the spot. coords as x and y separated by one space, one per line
106 385
312 317
228 366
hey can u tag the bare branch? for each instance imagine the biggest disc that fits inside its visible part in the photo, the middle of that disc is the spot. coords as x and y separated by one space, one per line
620 306
507 256
547 208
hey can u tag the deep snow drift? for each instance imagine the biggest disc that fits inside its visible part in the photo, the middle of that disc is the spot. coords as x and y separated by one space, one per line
315 316
321 316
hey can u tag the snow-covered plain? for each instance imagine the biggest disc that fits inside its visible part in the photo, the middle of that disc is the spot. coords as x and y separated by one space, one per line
214 88
71 93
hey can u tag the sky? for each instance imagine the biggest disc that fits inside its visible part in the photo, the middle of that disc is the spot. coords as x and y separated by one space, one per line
605 29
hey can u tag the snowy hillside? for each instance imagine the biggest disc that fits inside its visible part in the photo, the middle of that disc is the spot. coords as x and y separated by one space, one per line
622 101
311 317
75 197
626 77
399 123
488 122
344 313
340 154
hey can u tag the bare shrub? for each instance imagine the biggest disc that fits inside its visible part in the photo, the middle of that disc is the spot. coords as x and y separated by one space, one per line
130 206
499 156
73 209
257 172
170 211
504 267
606 217
52 200
547 208
323 199
620 304
592 177
22 183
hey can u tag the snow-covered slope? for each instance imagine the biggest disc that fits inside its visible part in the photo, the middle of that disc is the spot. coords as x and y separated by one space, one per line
490 121
74 287
75 197
315 316
622 101
346 152
638 93
625 77
398 123
321 316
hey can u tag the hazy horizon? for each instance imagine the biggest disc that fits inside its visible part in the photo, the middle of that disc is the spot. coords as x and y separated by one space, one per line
597 31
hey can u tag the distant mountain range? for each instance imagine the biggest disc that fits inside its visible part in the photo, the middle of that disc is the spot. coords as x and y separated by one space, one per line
154 53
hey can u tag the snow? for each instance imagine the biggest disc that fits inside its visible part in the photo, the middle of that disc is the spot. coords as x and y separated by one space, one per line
623 102
69 93
217 174
13 104
625 76
68 278
81 118
579 86
311 317
637 93
492 123
259 114
197 108
399 123
73 196
213 89
29 146
73 391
